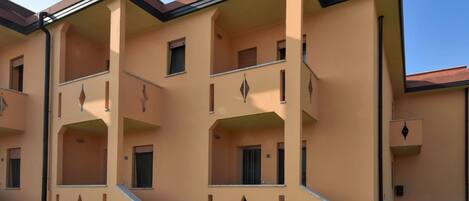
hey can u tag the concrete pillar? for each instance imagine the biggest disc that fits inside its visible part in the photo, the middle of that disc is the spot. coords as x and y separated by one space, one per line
116 123
293 120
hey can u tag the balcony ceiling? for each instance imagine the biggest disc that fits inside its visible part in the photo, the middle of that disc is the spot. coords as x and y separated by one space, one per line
92 23
139 21
237 16
266 120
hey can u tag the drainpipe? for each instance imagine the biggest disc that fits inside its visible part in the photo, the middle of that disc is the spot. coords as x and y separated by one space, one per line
466 143
380 109
45 153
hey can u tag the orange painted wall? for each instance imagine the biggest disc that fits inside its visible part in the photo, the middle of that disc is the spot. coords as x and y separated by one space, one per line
83 57
83 158
30 141
342 146
437 173
226 154
227 48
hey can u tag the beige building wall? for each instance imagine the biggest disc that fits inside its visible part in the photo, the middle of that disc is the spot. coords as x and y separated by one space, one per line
84 56
30 141
346 66
84 158
227 154
437 173
388 102
341 144
181 152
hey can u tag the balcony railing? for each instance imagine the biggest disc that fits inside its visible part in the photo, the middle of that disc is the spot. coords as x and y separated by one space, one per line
142 100
309 91
406 136
12 111
246 91
84 99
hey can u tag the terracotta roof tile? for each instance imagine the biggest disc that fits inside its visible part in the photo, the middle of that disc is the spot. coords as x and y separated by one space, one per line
438 79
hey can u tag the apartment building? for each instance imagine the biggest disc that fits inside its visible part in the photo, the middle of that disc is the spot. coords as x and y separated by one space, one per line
222 100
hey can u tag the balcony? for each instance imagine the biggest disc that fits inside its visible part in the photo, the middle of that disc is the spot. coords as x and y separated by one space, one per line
12 111
88 98
141 102
84 99
406 136
248 91
309 92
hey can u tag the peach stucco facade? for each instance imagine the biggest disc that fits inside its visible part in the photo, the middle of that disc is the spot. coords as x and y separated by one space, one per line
301 122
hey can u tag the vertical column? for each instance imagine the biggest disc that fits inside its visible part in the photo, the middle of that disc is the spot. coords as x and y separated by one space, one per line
58 69
293 121
115 122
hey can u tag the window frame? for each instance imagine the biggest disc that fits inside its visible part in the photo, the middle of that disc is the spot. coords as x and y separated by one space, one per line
134 166
173 45
13 66
8 183
279 48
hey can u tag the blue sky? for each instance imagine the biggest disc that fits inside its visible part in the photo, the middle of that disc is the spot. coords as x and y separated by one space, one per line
436 34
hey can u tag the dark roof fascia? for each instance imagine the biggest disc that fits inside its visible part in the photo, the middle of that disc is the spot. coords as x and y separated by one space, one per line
401 21
12 25
54 17
149 8
190 8
438 86
178 12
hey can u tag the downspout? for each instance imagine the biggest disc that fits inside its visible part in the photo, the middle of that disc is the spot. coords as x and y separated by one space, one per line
45 126
466 143
380 109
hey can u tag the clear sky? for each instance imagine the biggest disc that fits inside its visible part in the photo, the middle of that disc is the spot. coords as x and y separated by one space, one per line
36 5
436 34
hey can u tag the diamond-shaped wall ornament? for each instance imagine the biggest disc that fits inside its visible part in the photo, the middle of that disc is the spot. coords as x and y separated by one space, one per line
244 198
144 98
310 87
244 88
82 97
3 104
405 131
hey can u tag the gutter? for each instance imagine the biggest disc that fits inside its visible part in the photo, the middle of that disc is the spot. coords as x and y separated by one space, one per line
380 108
466 143
45 125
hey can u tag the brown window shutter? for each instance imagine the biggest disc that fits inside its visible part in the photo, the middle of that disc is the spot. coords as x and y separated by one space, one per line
247 57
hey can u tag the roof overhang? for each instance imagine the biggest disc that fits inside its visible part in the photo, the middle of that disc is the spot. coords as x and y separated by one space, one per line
394 42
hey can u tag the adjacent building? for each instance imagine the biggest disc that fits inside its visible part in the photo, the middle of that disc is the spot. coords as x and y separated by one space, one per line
222 100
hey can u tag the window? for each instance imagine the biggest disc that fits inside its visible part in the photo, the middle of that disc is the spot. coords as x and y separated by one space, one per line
282 86
212 98
304 49
177 56
251 165
247 57
143 166
13 169
16 74
281 50
281 164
